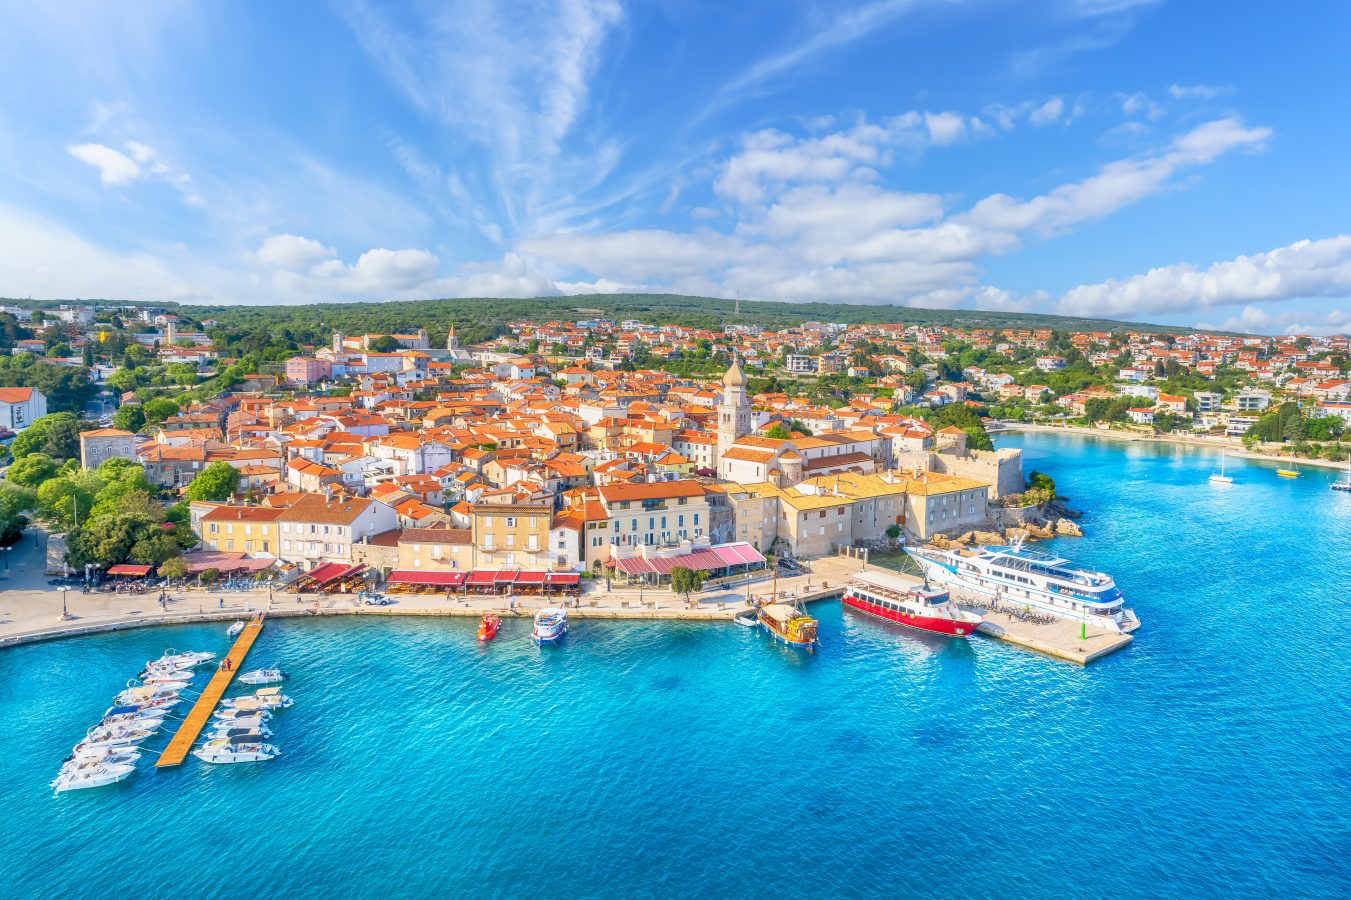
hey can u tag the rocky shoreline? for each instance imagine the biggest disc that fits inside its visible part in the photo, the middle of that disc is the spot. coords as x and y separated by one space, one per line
1051 520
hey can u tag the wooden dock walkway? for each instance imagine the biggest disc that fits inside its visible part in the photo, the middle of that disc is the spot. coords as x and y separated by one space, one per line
201 711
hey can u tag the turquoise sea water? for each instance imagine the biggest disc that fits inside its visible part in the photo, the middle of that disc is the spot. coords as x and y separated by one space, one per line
1208 759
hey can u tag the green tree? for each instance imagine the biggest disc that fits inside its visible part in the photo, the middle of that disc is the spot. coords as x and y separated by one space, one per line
61 500
174 567
129 418
384 344
33 438
63 440
686 581
32 470
152 549
214 483
159 409
778 432
14 501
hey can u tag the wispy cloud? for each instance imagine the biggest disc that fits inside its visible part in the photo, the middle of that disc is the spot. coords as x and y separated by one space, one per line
846 27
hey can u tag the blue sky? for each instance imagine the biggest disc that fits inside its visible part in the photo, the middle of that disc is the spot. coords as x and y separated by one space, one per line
1137 159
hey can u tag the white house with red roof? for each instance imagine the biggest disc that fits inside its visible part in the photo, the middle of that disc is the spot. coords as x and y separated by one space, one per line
19 406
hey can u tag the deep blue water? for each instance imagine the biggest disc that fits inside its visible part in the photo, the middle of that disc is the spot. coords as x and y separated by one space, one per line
1208 759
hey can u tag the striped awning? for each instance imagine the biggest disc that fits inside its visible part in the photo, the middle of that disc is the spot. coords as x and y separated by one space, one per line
721 556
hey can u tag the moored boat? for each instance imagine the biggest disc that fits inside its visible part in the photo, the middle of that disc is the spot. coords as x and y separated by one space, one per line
1287 473
258 733
261 699
235 629
1343 483
1219 477
242 716
176 660
788 623
488 627
91 775
551 623
228 750
747 618
1028 578
269 675
890 597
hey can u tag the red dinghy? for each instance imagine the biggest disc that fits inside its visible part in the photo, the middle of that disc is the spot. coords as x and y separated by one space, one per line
487 628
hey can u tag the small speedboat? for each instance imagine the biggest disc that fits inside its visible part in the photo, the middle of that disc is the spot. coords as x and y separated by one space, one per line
132 720
235 629
94 753
117 735
551 623
488 627
166 691
261 699
176 660
231 733
90 776
270 675
242 718
747 618
167 676
229 751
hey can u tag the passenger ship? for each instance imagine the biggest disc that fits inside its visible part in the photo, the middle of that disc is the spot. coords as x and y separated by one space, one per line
891 598
1020 577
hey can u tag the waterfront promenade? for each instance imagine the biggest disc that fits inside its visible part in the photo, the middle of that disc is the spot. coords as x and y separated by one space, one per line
30 610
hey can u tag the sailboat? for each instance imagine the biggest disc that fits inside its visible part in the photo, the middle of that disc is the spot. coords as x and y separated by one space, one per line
1344 483
1287 473
1219 477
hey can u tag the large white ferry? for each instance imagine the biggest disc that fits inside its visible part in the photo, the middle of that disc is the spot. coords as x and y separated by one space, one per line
1019 577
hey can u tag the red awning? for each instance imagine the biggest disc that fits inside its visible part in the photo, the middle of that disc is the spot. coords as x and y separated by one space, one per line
342 572
480 577
505 577
325 572
530 578
411 576
719 557
126 569
563 579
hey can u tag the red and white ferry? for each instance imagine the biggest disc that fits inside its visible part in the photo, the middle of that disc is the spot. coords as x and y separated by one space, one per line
897 600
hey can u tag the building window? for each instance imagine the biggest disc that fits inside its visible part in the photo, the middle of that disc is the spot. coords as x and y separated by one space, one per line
511 521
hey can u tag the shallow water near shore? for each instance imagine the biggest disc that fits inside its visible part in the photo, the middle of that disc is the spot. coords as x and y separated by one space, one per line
691 759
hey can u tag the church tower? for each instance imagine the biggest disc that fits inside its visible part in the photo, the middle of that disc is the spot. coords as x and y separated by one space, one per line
452 342
734 412
338 338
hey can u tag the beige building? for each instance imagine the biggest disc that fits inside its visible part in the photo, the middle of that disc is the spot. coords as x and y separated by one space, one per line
812 518
101 444
511 535
319 528
435 549
241 529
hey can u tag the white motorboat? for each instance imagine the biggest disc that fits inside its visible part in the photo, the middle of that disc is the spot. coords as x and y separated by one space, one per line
128 720
168 690
188 660
270 675
551 623
167 676
235 629
117 734
241 718
254 735
261 699
230 751
99 753
96 775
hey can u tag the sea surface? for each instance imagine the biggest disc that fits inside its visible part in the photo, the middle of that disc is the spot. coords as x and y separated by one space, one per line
1212 758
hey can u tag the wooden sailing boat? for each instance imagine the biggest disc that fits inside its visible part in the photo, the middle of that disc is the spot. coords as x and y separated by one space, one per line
1344 483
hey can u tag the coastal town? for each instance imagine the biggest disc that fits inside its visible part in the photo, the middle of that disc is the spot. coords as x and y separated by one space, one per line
592 457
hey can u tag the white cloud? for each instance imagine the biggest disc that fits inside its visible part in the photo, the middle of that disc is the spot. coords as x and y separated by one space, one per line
1195 91
812 223
293 252
1048 112
115 167
1302 270
1116 185
140 162
1140 105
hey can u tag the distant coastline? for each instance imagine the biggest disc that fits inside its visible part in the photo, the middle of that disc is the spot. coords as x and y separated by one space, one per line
1232 448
